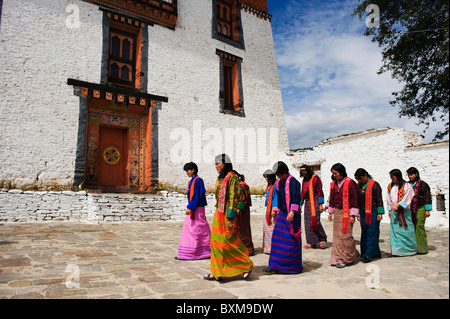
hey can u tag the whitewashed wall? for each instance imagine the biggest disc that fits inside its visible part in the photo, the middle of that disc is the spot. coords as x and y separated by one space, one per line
379 151
38 110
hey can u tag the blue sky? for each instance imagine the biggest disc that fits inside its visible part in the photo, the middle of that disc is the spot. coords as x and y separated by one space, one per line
328 73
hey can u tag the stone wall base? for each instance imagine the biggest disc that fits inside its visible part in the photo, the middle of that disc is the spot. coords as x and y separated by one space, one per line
37 206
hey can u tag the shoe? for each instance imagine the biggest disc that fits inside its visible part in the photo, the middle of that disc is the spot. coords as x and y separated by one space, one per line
340 265
270 271
211 277
247 275
366 259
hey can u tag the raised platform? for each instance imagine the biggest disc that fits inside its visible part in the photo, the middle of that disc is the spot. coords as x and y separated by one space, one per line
38 206
29 206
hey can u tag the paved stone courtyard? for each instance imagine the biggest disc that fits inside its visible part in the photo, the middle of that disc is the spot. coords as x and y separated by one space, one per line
136 260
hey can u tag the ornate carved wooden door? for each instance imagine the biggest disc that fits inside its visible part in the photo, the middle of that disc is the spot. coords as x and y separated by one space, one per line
113 156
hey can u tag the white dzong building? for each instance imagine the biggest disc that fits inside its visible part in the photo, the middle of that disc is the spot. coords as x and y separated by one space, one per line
116 95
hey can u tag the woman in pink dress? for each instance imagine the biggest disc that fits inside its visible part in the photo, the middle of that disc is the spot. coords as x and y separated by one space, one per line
196 233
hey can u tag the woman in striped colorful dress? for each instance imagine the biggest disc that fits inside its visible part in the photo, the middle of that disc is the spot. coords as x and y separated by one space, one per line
271 210
229 256
343 209
286 251
402 233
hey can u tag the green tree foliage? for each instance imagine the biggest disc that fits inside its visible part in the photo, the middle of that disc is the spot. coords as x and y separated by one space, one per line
414 37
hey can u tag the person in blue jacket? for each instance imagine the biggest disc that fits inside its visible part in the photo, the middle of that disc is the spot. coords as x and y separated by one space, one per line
196 233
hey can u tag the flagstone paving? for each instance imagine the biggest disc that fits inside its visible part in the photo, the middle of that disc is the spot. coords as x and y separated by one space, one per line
136 260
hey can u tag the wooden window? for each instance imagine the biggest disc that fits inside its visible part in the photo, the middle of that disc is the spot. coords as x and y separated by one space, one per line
125 45
115 46
228 87
224 19
122 58
440 203
114 71
231 84
227 25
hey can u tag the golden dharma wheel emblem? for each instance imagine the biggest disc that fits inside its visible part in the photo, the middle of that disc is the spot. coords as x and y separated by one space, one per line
111 155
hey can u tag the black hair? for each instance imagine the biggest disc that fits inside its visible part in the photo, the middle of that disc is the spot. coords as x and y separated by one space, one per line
340 169
398 173
360 172
270 176
191 165
225 159
308 170
413 170
280 168
241 177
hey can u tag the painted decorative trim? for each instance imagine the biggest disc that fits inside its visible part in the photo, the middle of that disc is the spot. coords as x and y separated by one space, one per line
116 94
126 19
228 56
162 12
260 14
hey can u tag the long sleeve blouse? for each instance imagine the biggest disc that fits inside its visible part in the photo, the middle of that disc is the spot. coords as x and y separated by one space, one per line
377 197
199 197
295 195
232 197
317 190
423 194
274 196
336 197
392 197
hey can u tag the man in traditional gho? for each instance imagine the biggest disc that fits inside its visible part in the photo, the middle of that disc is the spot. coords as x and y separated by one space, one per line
399 197
312 196
195 236
286 251
420 208
243 227
343 210
229 256
371 212
271 210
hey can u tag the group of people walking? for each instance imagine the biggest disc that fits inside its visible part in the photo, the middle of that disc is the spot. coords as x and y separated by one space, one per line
228 243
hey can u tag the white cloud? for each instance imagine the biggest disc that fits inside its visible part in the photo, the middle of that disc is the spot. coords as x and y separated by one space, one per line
328 74
307 128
